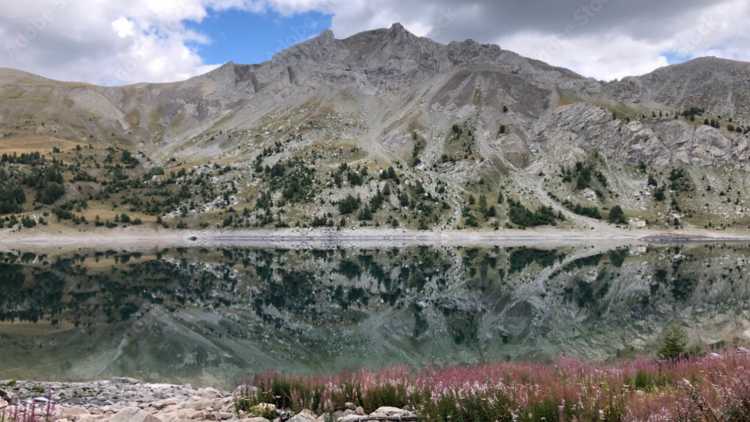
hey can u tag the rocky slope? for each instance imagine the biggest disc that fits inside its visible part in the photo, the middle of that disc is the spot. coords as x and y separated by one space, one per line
456 121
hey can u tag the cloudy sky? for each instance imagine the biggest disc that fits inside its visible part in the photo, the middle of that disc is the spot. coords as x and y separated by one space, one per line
116 42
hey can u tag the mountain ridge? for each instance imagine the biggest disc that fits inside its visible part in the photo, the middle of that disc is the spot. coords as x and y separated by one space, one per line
450 118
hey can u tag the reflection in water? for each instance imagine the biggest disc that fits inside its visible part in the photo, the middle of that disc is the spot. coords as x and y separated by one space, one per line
209 316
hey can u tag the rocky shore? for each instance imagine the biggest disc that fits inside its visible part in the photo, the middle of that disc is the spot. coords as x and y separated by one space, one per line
129 400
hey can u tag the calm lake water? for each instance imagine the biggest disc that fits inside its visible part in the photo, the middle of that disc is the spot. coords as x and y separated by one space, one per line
216 316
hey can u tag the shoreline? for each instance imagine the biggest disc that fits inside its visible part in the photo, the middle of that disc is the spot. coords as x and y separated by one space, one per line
353 238
715 379
123 399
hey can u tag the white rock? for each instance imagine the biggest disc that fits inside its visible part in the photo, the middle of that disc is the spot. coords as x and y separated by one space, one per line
387 411
73 412
161 404
210 393
304 416
133 414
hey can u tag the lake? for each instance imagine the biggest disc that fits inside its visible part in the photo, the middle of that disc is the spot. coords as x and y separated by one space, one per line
216 316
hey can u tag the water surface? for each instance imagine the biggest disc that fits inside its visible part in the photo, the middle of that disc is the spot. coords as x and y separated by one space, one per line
214 316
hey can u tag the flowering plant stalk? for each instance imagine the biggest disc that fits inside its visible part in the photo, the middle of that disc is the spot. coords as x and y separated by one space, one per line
709 388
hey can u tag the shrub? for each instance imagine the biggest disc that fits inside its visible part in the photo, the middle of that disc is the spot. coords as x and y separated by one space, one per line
389 174
680 180
582 176
617 215
348 205
294 179
592 212
659 194
62 213
50 193
11 198
469 219
365 214
523 217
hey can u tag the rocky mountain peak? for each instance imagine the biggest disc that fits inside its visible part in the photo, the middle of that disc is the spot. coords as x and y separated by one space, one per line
397 31
397 27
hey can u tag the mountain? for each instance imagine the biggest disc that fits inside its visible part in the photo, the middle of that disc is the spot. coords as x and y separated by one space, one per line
717 85
465 125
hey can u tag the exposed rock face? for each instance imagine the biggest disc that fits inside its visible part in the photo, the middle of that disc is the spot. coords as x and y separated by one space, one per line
390 81
720 86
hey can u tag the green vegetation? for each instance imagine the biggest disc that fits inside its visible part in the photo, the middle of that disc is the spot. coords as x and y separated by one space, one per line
349 204
680 180
591 212
460 144
617 215
585 175
674 344
523 217
308 187
693 112
659 195
419 145
293 179
702 389
12 197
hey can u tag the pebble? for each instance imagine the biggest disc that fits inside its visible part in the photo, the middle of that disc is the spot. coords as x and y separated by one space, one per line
130 400
304 416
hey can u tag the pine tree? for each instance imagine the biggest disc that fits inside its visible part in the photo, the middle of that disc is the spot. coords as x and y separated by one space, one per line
483 204
674 343
617 215
365 214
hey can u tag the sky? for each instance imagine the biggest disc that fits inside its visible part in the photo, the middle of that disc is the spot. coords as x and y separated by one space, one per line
114 42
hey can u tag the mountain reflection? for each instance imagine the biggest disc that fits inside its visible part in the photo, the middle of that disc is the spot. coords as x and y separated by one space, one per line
209 316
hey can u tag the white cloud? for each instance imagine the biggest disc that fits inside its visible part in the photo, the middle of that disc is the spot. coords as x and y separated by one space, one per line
123 27
603 57
106 41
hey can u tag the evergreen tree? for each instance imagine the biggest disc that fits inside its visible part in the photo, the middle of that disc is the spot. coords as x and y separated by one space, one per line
674 343
617 215
365 214
483 204
349 204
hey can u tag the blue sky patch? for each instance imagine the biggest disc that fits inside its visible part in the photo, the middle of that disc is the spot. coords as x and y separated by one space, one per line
249 38
674 57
